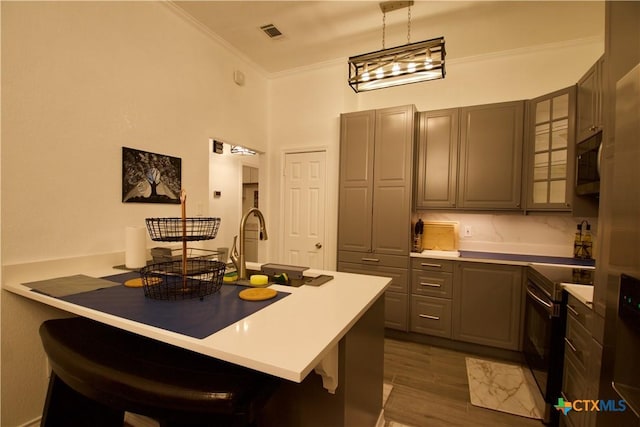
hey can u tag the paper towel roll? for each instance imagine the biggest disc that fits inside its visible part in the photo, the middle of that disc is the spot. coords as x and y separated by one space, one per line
135 255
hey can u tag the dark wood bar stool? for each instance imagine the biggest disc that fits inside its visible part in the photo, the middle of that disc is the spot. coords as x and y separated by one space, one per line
99 372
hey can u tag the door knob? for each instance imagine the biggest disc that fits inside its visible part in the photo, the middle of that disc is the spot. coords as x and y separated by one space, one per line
318 245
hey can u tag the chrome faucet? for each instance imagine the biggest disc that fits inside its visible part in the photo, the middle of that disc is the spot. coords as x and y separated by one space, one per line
237 250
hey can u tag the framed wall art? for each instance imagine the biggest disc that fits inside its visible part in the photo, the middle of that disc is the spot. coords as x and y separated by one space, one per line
150 177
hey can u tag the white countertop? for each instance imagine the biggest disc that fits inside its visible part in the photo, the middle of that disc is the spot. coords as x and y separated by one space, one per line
287 338
583 293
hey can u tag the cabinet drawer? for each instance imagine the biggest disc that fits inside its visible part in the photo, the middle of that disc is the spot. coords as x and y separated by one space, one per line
431 316
578 311
373 259
399 276
395 310
574 388
432 264
432 283
577 344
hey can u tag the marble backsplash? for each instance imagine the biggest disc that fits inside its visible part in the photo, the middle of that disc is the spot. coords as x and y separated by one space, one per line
550 235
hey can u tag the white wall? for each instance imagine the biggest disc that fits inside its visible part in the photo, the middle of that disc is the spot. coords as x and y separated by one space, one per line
79 81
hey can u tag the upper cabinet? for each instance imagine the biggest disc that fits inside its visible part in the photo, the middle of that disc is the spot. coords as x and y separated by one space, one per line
590 99
550 177
491 156
551 151
437 159
471 158
376 152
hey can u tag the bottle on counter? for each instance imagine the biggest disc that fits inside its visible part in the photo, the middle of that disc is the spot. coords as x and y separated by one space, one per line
577 242
587 243
417 236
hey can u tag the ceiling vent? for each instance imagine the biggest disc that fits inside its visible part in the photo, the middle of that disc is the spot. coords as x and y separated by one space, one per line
271 31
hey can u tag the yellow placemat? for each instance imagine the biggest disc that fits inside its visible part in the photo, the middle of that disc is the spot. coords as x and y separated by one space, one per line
137 283
257 294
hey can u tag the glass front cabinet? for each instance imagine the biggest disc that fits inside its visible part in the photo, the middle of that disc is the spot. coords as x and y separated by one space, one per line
551 151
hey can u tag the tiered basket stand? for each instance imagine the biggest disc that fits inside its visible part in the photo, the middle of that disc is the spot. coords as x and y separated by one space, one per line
188 277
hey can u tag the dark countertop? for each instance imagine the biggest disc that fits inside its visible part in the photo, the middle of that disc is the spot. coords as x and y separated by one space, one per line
528 258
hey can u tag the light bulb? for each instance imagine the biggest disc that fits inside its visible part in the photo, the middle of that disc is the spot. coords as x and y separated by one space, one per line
428 62
395 70
411 67
379 73
365 76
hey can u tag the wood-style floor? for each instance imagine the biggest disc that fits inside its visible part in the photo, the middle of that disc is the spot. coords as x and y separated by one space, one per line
431 389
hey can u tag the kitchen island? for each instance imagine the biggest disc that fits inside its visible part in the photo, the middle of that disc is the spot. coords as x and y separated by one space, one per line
335 329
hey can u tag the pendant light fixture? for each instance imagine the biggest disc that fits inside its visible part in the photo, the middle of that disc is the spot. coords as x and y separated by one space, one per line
410 63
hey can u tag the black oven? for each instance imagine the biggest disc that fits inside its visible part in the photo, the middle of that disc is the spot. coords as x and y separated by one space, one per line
543 344
544 328
588 157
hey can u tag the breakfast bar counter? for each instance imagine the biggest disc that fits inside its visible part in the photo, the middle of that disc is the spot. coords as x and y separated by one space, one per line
336 328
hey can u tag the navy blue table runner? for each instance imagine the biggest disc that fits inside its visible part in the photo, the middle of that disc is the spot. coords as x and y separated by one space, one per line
193 317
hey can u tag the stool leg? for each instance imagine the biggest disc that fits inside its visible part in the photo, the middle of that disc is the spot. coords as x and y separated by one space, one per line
66 407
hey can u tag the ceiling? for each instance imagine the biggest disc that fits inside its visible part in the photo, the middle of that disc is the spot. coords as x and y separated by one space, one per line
320 31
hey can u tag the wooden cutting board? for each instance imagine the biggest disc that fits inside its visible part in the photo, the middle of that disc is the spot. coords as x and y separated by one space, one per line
440 236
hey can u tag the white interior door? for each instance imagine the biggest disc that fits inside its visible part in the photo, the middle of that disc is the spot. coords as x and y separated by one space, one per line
304 208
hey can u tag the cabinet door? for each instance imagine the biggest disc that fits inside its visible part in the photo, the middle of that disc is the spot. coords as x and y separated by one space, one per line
491 156
551 151
356 181
590 97
391 222
487 304
437 159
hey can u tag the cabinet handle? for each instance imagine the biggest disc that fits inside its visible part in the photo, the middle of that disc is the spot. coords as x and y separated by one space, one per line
428 264
570 344
433 285
428 316
573 310
371 259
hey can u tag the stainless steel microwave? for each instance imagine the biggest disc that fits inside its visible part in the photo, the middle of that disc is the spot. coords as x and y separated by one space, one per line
588 157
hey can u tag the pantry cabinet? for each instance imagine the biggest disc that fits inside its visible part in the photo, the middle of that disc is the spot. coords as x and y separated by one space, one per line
376 157
374 213
487 304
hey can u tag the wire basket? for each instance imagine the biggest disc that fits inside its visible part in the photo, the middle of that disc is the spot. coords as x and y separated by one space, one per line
167 281
179 230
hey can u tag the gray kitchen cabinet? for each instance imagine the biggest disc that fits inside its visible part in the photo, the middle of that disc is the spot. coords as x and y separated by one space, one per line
551 156
431 316
490 159
437 159
487 304
396 295
590 101
431 296
551 151
376 155
357 132
374 214
582 356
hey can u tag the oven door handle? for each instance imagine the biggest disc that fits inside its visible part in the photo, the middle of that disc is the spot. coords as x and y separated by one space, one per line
539 300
